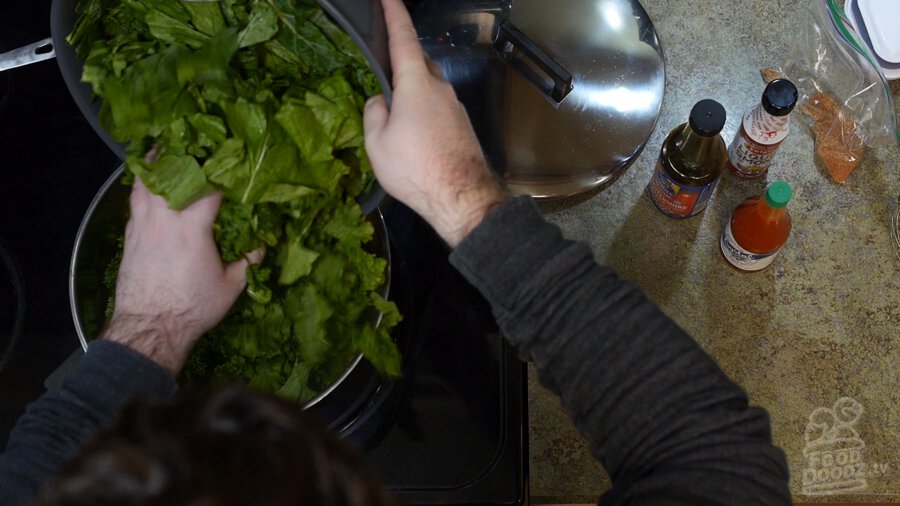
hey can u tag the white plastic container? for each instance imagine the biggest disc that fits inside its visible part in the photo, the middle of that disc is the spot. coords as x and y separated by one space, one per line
876 22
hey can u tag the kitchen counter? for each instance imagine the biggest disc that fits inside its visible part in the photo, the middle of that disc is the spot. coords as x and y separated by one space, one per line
819 325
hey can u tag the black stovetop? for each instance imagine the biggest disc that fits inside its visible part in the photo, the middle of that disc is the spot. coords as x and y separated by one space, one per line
452 431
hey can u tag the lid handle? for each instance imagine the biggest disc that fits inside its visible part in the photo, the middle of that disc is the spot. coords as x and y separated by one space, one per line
539 68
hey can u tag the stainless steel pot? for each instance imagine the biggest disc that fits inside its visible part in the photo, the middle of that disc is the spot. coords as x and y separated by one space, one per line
563 94
97 243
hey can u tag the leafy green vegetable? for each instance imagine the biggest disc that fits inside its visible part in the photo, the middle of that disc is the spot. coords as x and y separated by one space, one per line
262 100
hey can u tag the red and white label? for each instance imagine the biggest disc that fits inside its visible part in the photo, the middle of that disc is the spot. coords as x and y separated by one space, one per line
756 142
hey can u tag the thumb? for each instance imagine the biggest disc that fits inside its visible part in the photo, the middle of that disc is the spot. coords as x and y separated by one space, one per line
236 272
376 115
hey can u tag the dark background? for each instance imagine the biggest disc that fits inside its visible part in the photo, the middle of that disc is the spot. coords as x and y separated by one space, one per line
51 165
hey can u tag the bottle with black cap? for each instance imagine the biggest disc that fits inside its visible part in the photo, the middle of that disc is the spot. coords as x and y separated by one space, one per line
690 162
763 129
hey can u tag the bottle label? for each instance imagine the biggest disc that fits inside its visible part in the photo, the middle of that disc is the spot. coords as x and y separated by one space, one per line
741 258
675 199
754 146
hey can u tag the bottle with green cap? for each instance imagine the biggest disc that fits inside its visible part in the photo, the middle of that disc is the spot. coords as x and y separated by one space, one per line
763 129
690 162
758 228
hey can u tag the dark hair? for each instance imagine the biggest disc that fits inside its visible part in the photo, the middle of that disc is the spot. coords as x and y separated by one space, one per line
232 447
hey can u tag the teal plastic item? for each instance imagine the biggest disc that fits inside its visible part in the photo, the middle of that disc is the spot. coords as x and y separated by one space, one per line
779 194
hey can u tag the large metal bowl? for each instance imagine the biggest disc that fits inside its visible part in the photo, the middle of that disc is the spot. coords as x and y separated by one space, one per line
97 243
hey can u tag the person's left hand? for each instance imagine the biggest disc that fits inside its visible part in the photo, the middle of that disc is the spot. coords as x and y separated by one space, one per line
172 286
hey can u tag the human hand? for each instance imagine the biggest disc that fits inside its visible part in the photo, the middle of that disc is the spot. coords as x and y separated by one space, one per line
172 286
424 150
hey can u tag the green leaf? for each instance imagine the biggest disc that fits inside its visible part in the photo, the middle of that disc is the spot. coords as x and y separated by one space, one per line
262 26
329 115
339 102
378 347
295 388
341 43
272 165
205 16
209 64
145 101
263 100
256 285
229 168
173 31
179 179
296 261
248 123
171 8
281 193
369 268
390 315
212 128
306 131
331 273
348 224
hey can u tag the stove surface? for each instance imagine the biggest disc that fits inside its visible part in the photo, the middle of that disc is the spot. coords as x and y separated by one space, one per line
452 431
51 164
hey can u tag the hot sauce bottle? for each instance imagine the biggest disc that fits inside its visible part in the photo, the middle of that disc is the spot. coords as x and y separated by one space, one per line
762 131
758 228
690 162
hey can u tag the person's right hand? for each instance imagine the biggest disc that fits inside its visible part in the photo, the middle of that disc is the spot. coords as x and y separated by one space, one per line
424 151
172 285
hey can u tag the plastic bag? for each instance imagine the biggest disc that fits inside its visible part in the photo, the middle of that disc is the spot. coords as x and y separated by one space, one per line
844 97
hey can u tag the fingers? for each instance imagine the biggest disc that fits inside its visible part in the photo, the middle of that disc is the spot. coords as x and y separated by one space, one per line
205 209
256 256
140 198
407 55
143 200
375 116
236 272
151 155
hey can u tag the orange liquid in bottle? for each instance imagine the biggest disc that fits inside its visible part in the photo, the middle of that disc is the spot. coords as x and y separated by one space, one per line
757 229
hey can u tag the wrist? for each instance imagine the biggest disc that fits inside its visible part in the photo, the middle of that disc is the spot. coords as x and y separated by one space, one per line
454 220
152 338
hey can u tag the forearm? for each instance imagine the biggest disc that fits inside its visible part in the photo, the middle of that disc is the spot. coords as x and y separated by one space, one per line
155 337
56 425
658 413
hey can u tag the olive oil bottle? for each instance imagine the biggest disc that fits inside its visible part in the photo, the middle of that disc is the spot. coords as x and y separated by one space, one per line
690 162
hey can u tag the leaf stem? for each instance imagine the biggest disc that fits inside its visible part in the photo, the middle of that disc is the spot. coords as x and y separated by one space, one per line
256 168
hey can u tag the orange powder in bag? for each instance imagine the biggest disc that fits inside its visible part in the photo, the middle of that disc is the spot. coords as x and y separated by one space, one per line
838 145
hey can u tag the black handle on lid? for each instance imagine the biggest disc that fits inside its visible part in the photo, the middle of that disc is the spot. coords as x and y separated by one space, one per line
555 82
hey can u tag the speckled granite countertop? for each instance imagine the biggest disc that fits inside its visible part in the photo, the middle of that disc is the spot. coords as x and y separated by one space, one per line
821 324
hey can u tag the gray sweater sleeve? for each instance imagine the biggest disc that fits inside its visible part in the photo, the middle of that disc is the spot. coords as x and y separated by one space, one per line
56 425
659 414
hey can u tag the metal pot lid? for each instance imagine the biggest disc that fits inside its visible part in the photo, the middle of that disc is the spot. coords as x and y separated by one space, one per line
563 95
